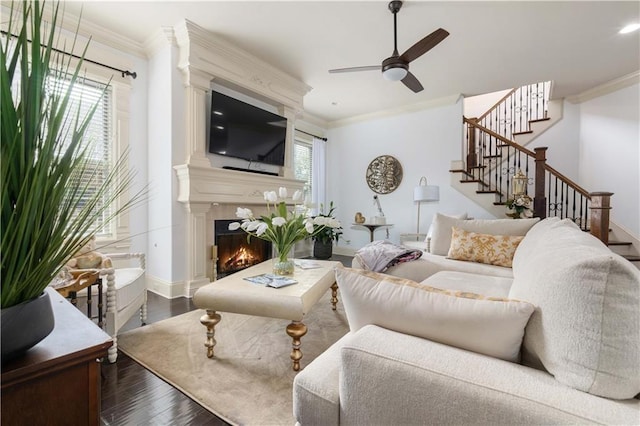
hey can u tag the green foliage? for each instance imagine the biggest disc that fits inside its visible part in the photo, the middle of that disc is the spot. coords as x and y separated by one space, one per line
45 220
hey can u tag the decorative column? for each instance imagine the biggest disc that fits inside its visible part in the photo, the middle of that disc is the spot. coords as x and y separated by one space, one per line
599 223
197 86
539 200
196 246
290 115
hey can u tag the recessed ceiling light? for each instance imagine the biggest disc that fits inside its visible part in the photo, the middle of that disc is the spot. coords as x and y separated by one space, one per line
220 127
217 112
630 28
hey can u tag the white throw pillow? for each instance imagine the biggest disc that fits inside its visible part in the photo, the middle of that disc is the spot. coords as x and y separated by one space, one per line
586 326
462 216
486 325
443 225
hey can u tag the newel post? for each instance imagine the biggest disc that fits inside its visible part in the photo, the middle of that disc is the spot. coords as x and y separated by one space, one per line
472 159
599 207
539 200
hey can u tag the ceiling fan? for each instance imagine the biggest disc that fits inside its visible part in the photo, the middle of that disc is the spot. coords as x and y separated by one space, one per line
396 67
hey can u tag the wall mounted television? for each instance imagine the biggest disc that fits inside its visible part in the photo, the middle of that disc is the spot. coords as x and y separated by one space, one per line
245 131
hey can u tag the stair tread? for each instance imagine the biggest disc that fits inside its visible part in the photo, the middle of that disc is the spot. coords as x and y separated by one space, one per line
620 243
493 156
460 171
526 132
487 192
631 257
474 181
535 120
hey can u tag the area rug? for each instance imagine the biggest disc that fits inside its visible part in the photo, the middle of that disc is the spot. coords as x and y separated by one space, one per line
249 381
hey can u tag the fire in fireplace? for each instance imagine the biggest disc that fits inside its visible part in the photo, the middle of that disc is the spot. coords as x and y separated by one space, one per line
234 251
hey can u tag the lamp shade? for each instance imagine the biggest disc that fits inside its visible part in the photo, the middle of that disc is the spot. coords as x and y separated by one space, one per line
394 74
426 193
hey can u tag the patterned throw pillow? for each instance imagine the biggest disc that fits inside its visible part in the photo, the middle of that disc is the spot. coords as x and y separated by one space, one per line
483 248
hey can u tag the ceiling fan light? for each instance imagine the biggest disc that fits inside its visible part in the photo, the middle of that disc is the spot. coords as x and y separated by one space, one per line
394 74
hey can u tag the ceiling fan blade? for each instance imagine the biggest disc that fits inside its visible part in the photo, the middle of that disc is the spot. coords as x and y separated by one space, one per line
424 45
412 83
354 69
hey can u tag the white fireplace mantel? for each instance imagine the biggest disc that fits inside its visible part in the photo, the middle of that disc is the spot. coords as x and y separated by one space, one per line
205 57
214 185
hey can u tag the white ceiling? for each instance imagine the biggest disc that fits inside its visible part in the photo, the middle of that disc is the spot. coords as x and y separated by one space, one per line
492 46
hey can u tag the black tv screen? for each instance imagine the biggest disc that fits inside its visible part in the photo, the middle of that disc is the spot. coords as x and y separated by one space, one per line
244 131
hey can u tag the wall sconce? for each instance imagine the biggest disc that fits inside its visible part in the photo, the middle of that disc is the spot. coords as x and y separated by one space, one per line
424 192
519 184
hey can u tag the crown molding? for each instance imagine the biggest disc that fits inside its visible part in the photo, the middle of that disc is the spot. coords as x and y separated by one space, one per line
212 55
405 109
162 38
606 88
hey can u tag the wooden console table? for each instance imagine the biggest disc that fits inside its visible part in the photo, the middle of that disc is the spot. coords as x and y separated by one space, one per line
57 382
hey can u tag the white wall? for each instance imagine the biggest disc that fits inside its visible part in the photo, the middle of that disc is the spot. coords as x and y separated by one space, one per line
610 153
425 142
160 262
475 106
563 142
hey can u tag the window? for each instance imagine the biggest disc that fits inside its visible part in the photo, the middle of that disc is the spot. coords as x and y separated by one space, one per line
302 163
99 134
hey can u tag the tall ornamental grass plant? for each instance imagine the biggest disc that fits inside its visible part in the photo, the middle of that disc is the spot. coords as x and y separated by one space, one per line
49 197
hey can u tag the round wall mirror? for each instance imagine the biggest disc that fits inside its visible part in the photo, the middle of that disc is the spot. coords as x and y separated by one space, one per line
384 174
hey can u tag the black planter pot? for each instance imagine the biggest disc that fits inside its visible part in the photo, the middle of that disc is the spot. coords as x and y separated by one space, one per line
24 325
322 250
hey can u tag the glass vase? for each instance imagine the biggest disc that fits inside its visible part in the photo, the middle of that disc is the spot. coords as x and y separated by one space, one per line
282 261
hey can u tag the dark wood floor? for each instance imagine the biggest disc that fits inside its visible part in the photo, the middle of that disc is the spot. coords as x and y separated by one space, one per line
132 395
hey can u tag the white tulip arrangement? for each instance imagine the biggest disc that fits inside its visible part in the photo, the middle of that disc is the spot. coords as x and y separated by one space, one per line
281 227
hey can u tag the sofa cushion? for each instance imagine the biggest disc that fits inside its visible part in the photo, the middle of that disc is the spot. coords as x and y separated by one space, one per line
472 283
586 326
490 326
483 248
443 225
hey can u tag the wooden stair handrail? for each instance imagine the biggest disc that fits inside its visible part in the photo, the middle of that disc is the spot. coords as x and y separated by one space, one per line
501 138
497 103
568 181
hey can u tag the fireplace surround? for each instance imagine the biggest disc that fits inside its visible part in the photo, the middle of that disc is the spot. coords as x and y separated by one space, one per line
212 193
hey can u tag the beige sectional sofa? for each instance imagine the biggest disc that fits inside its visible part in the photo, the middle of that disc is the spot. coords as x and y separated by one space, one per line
555 339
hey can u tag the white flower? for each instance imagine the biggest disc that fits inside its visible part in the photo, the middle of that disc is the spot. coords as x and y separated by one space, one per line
270 196
297 196
234 225
262 228
252 226
243 213
278 221
282 191
308 225
333 223
320 220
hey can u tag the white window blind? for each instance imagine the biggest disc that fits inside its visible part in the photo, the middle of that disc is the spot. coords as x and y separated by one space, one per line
98 137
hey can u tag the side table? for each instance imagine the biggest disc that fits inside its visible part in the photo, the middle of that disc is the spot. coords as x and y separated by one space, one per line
84 278
57 382
371 227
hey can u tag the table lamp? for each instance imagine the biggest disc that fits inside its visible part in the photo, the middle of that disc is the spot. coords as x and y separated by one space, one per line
424 192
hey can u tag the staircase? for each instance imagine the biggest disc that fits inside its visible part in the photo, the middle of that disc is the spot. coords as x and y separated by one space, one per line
495 150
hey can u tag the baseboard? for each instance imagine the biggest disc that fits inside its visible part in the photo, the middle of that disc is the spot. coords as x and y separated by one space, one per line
167 289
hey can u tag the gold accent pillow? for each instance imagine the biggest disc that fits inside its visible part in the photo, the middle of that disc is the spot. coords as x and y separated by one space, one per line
483 248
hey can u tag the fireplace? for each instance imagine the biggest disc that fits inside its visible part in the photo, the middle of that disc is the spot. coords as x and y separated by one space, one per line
234 251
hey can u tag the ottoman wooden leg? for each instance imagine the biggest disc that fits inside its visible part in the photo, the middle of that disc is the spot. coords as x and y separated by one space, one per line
296 330
209 320
334 296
